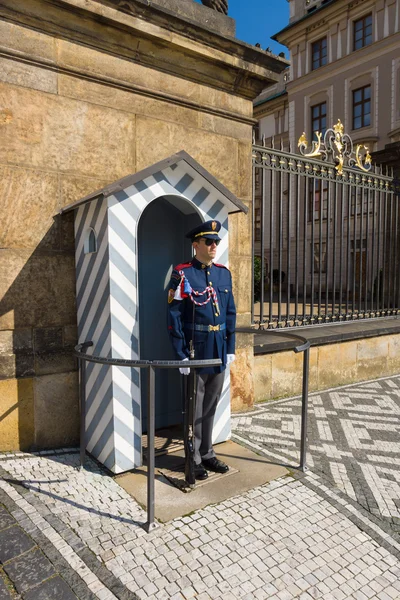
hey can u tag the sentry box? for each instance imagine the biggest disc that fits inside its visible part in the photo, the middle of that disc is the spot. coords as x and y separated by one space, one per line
128 237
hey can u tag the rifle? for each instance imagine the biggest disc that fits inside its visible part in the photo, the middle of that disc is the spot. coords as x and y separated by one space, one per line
189 428
190 403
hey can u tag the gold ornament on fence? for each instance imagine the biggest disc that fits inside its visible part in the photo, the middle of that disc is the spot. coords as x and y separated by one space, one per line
337 146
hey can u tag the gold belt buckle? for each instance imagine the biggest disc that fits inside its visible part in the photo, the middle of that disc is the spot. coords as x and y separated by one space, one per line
213 328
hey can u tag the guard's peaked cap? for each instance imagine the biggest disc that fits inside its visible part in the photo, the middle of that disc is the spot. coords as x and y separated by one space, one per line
209 229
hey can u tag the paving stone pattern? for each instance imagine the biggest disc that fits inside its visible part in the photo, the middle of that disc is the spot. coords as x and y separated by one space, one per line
353 439
299 537
29 570
25 572
5 588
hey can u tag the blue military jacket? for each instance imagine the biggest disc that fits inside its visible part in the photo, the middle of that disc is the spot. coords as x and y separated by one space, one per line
209 342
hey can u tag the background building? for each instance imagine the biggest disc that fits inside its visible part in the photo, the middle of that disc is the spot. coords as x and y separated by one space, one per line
345 64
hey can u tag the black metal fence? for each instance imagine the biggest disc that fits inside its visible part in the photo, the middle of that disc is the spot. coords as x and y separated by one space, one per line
326 236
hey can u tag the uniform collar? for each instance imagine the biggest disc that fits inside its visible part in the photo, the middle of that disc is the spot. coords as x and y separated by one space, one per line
199 265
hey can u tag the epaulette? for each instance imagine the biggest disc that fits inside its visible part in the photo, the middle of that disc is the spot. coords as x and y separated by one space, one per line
183 266
222 266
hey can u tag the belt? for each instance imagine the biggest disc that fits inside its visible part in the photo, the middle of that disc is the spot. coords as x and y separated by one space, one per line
208 328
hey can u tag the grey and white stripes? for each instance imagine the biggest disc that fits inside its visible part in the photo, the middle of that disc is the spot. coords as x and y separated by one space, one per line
108 306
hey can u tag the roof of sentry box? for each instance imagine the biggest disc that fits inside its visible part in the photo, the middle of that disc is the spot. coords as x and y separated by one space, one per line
236 204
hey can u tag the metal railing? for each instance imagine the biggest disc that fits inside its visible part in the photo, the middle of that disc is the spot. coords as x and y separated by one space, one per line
326 237
302 345
151 365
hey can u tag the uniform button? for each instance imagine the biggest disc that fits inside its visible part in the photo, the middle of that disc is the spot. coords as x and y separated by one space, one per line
210 282
208 273
226 291
203 266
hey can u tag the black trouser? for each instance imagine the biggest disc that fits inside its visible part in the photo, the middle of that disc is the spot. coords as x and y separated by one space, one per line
208 392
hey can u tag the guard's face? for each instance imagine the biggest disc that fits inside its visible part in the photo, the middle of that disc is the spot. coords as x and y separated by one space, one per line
204 253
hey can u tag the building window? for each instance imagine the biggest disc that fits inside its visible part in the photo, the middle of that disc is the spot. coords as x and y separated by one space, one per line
318 200
363 32
360 202
90 244
256 133
257 225
319 53
318 119
362 107
320 258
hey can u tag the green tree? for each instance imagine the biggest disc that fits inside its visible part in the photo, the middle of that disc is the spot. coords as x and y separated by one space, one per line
257 278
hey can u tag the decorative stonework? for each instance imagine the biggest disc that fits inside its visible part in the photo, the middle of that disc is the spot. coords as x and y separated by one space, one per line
316 25
218 5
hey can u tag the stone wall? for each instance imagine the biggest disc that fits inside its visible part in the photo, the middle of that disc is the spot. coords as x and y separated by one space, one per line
90 94
279 374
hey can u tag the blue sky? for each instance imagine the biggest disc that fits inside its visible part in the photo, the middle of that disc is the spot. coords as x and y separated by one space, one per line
257 20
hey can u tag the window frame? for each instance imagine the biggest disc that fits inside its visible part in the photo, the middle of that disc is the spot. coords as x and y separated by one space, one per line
314 50
321 129
318 199
363 30
362 103
257 224
90 242
318 267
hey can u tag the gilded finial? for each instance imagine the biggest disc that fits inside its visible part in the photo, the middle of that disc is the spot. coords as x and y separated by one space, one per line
339 166
302 140
316 146
338 128
359 159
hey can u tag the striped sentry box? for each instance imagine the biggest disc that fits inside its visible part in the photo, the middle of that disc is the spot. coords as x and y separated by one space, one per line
108 301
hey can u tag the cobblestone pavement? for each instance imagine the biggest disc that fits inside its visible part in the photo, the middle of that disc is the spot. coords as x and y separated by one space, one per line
296 537
353 440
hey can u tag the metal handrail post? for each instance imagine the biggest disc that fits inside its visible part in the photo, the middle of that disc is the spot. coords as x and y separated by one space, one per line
304 410
151 524
304 347
82 357
82 402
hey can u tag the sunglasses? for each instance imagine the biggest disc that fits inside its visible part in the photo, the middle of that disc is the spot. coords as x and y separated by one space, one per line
210 242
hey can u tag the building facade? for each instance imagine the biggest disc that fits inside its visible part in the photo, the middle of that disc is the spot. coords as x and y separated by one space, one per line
345 64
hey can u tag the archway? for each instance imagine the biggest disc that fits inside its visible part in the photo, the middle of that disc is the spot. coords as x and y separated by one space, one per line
161 246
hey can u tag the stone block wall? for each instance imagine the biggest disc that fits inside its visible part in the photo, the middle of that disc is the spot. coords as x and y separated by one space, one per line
81 105
279 375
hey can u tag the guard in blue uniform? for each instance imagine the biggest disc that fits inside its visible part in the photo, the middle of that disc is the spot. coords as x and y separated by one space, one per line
202 316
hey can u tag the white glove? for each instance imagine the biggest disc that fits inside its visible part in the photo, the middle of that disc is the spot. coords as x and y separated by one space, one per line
230 358
184 370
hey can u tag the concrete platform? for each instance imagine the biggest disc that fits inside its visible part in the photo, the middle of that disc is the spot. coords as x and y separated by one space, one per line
248 470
